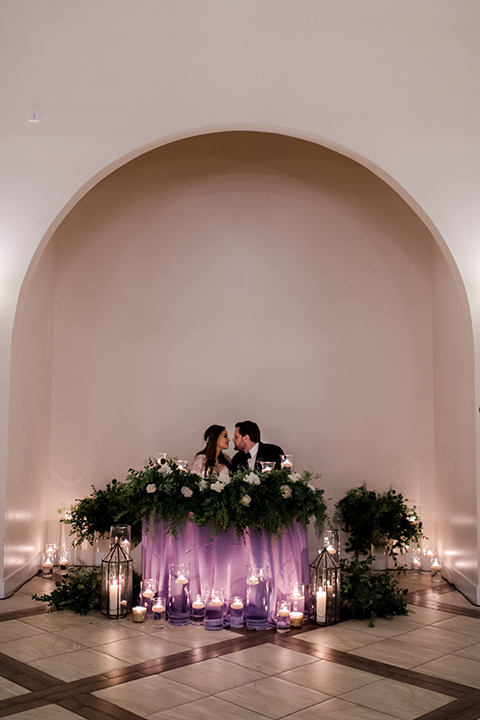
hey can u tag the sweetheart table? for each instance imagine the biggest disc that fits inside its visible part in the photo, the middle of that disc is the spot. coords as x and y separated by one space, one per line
221 561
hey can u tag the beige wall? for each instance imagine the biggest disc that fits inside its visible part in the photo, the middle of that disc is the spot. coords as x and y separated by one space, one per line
230 276
393 85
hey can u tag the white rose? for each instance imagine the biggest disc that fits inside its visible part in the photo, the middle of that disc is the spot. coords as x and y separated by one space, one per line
217 486
252 478
165 469
202 484
186 491
286 491
294 477
312 487
246 500
151 488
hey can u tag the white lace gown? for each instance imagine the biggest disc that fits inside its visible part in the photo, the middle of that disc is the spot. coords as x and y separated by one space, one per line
198 466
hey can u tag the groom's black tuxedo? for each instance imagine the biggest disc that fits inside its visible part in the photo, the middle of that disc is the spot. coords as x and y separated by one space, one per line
266 451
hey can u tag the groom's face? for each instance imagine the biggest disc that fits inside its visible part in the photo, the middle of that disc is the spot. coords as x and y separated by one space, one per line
239 440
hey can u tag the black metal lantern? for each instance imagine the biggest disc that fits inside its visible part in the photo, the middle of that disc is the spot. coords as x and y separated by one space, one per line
117 571
324 589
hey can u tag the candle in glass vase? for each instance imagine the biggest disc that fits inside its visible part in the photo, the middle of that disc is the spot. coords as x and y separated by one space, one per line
236 611
148 594
286 462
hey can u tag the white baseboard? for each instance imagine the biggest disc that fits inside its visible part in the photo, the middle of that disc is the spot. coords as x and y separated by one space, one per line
462 584
17 579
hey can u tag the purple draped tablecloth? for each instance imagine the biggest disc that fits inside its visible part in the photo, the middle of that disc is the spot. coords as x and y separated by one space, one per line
221 561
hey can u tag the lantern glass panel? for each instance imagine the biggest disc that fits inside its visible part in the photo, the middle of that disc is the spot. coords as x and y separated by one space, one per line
117 569
324 589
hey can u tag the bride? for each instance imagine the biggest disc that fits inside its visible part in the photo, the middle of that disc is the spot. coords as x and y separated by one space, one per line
211 460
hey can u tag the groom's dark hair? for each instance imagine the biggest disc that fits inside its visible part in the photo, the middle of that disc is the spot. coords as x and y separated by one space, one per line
247 427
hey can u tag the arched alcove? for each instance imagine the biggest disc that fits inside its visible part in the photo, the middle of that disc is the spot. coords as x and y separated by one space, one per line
235 275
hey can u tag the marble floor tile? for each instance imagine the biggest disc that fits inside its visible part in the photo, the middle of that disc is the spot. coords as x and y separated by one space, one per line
213 676
38 585
389 627
47 712
9 689
192 636
269 659
396 653
210 708
341 637
454 667
426 616
471 651
273 697
149 695
337 709
78 665
433 637
15 629
455 598
28 649
398 699
462 624
96 633
19 601
328 677
136 650
56 620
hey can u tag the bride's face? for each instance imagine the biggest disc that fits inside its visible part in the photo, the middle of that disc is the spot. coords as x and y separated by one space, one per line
223 441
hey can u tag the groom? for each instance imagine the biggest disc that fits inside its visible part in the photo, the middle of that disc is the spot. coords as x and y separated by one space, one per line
250 451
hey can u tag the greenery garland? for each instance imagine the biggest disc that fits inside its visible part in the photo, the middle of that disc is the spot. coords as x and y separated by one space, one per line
268 502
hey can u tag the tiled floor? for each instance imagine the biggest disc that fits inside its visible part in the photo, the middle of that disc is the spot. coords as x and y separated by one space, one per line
61 666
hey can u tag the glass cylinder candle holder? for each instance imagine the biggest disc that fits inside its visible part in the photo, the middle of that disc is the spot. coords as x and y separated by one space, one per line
286 462
47 566
51 552
148 589
416 564
122 533
258 596
160 457
214 609
426 558
283 616
158 609
436 569
236 608
64 561
182 465
331 543
178 602
297 601
267 466
197 612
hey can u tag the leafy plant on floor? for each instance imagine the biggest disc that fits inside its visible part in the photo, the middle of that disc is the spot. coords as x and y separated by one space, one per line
80 590
367 594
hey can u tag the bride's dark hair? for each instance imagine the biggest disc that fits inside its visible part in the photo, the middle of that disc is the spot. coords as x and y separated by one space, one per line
211 436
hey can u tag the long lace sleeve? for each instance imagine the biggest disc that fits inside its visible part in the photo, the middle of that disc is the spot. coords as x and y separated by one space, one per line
198 465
